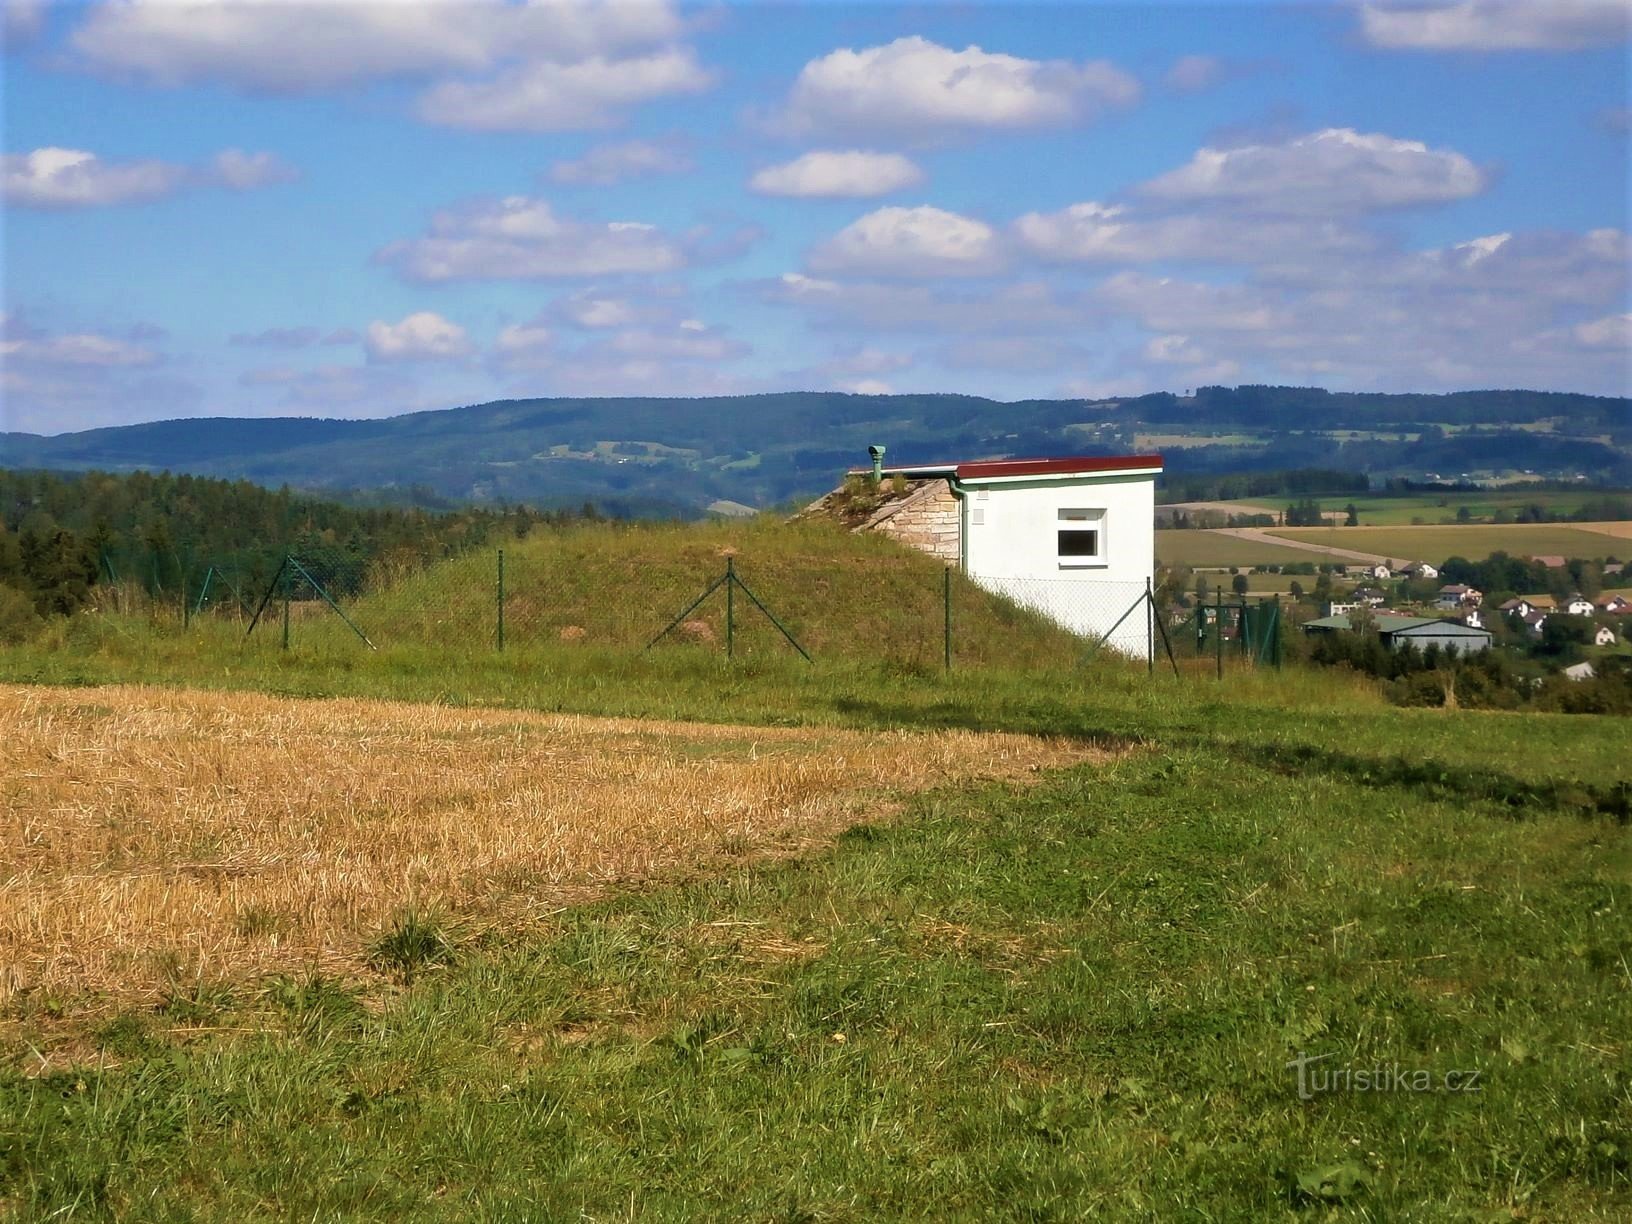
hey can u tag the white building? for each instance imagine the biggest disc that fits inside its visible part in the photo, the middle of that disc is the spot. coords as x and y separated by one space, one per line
1072 538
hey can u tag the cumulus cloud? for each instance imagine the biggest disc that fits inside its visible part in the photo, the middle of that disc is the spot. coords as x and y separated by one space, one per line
1113 233
1497 25
240 171
55 381
607 164
922 241
598 309
838 175
492 65
1335 171
74 178
1610 332
872 306
634 361
25 347
523 238
288 46
546 97
1194 73
422 336
921 90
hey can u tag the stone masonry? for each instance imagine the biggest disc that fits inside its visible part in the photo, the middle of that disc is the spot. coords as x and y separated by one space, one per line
926 519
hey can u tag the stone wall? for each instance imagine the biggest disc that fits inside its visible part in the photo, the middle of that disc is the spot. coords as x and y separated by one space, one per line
925 519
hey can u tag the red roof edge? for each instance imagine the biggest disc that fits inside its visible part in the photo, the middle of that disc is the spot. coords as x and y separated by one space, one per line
1058 467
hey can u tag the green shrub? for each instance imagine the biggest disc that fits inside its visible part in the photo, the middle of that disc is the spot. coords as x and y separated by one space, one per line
18 620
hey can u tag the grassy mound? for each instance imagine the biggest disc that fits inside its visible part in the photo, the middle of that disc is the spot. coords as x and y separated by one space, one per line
841 596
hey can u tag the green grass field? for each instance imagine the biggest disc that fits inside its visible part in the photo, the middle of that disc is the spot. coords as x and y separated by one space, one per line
1435 544
1074 999
1208 548
616 586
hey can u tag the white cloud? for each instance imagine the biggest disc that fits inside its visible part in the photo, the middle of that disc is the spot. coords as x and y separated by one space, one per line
867 386
422 336
920 90
20 21
76 349
242 171
1104 233
1166 304
607 164
838 175
597 309
923 241
277 338
296 46
523 238
1027 306
1610 332
1335 171
1175 349
1497 25
1194 73
75 178
51 382
545 97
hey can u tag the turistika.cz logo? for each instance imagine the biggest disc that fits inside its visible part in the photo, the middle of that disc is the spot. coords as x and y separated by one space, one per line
1315 1078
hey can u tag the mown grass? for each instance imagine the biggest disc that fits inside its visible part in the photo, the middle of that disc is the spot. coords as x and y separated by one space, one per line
1077 1000
1209 548
1434 544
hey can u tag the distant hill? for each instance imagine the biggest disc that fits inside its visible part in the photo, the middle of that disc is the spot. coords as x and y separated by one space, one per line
677 456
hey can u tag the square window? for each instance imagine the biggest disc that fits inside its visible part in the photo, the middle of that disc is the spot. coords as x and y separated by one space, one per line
1079 543
1081 537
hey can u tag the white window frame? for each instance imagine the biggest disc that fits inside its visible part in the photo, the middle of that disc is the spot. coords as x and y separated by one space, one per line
1083 518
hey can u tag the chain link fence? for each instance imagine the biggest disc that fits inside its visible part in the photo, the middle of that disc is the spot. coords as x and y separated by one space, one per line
582 594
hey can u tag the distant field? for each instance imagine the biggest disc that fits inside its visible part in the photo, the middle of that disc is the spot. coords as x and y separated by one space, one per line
1202 548
1435 544
1181 441
1435 509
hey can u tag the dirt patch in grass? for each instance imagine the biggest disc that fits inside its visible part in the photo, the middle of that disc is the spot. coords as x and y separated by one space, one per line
155 836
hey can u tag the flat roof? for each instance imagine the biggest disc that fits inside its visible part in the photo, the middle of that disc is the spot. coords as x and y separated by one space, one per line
1064 465
1397 624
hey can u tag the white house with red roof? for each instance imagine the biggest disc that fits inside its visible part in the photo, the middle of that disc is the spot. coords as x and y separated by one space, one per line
1070 537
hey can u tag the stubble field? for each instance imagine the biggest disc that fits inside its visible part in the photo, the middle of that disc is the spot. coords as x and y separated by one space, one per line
154 835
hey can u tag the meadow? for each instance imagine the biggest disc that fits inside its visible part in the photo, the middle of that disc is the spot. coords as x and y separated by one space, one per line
1430 509
536 934
1435 544
1204 549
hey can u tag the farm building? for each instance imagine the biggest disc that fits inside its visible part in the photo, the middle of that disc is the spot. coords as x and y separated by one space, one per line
1072 538
1454 595
1417 632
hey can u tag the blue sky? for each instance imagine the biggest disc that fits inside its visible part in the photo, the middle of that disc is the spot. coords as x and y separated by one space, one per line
359 209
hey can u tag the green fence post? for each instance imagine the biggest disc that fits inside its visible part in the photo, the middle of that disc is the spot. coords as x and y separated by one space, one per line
1218 637
501 599
946 620
1150 628
286 604
730 606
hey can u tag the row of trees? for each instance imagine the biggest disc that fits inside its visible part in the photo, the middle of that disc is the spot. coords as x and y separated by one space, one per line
61 535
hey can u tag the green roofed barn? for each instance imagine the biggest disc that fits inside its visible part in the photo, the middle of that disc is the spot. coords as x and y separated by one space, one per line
1418 632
